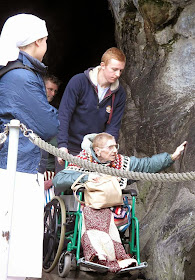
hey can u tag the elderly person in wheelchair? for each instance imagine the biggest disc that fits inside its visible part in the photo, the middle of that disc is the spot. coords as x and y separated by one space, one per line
102 149
100 240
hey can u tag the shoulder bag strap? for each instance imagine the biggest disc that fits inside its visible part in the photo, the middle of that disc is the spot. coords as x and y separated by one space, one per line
75 188
14 65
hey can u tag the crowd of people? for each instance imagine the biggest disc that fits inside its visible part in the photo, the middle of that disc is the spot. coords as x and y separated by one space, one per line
93 103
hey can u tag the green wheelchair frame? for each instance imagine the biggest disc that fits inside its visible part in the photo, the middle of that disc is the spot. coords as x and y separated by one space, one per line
62 245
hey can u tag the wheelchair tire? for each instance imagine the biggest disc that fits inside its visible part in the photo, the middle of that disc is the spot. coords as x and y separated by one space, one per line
64 264
54 232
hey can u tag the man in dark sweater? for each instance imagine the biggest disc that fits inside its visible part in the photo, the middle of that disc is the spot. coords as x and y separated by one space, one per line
93 102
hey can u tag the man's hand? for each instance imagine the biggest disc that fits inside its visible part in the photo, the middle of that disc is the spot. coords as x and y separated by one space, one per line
60 160
178 151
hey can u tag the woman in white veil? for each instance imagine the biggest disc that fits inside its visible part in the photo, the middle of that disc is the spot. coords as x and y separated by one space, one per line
23 97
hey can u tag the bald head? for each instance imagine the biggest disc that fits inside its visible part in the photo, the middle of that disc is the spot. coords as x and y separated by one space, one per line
101 139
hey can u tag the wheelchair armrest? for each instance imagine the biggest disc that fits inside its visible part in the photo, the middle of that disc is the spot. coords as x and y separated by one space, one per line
132 192
130 181
69 191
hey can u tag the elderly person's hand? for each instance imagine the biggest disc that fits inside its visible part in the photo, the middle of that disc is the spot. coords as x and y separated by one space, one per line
176 155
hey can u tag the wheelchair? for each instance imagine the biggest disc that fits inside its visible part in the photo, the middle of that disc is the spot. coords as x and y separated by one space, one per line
62 236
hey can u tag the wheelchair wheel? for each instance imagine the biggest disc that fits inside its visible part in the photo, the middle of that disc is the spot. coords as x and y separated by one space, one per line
54 232
64 264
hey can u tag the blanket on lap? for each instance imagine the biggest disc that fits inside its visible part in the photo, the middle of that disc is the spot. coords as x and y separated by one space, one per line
101 241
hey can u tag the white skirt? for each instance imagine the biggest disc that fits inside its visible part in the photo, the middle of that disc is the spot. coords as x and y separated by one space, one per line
26 234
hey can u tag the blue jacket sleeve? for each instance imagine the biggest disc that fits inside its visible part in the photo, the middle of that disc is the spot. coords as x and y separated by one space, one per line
118 110
65 178
152 164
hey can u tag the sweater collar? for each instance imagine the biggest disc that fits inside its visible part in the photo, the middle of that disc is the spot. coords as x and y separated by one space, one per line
32 62
92 74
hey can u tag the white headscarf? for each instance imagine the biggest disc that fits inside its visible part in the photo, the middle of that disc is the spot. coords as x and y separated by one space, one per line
19 31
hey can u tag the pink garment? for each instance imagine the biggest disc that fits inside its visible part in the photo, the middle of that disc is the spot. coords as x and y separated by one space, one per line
101 240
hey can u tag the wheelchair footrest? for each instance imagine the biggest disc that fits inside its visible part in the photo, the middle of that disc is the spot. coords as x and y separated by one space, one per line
103 268
98 267
133 268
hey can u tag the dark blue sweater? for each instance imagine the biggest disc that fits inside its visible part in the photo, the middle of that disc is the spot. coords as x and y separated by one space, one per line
80 112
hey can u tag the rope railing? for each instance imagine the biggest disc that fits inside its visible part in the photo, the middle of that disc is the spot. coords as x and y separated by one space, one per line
143 176
152 177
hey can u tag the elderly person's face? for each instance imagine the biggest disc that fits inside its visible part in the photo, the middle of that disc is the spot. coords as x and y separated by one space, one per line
108 151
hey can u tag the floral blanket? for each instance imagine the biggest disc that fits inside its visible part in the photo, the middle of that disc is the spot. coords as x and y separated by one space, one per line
101 240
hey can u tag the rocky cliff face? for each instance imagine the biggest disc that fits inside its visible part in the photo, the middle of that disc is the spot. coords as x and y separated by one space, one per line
158 38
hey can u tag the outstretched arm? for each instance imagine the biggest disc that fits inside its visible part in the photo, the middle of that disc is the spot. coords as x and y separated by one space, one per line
157 162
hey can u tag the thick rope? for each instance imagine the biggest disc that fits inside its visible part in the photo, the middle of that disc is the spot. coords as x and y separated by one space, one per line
162 177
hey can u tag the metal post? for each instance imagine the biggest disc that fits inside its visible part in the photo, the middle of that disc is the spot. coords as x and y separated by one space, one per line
9 185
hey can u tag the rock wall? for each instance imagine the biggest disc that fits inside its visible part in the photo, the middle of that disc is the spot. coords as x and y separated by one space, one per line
158 38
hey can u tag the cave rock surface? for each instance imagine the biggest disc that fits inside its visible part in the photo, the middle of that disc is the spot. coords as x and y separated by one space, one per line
158 38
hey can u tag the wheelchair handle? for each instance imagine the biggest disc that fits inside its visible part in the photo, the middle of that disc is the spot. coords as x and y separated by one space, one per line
132 192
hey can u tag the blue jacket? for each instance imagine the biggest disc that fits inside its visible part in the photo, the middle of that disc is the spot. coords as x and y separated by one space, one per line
23 97
80 112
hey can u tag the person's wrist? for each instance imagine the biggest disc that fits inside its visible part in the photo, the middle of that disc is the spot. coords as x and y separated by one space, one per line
62 148
172 157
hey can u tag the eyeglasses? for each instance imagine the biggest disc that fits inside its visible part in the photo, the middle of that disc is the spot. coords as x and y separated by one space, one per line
111 147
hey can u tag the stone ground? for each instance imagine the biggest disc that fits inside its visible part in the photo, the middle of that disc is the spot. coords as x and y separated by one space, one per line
85 276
